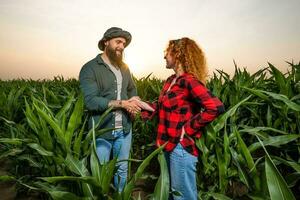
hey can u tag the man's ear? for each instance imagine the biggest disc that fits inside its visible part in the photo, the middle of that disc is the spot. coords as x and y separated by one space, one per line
106 43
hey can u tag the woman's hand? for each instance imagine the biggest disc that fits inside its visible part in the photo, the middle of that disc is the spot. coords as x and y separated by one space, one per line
182 134
143 105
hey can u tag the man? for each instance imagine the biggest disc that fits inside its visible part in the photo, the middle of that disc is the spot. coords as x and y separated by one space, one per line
106 82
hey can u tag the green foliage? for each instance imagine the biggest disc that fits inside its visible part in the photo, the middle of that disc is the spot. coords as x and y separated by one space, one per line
250 152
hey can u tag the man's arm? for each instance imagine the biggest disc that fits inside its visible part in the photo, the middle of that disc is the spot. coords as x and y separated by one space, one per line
88 85
131 106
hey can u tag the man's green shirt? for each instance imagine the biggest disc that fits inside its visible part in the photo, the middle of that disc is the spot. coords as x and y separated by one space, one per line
99 86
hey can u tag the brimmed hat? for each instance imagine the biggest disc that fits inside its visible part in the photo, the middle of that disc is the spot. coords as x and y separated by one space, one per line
114 32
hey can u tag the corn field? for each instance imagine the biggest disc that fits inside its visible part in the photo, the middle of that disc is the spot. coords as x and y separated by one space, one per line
252 151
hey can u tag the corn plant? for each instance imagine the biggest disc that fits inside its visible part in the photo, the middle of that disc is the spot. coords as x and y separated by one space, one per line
250 152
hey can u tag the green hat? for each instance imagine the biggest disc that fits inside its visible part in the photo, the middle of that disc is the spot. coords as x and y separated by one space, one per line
114 32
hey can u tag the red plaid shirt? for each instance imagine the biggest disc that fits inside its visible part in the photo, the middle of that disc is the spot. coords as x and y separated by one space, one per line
188 104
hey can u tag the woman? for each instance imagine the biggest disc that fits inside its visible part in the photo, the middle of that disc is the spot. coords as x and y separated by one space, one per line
185 106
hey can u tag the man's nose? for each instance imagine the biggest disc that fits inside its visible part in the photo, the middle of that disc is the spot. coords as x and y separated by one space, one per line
122 45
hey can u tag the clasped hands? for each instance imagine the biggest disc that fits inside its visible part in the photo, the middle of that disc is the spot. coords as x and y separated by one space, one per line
134 105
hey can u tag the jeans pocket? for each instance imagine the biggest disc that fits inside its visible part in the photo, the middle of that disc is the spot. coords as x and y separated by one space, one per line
186 153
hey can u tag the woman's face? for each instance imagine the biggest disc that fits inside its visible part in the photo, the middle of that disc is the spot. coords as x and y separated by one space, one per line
170 61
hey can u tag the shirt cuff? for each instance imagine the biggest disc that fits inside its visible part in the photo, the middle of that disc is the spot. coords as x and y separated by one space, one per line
104 104
146 115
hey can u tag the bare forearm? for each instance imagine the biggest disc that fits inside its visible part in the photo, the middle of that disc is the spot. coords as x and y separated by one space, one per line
116 104
131 105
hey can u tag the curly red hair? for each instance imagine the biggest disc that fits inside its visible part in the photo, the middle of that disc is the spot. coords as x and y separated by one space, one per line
190 56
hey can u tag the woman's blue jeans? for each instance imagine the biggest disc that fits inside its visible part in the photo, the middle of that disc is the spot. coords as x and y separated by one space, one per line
182 171
120 147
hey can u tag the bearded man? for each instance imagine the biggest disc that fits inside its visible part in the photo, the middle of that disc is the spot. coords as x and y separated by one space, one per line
107 82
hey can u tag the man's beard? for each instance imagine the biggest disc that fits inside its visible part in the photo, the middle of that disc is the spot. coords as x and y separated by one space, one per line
114 58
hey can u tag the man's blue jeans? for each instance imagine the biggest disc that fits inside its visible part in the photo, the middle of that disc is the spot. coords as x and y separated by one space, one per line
120 146
182 171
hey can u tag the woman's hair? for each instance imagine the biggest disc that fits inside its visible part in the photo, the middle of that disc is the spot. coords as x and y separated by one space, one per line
190 56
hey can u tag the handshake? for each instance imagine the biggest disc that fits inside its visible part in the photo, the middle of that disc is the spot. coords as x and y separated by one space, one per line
134 105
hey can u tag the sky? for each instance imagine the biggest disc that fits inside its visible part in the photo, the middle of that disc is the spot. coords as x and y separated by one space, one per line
40 39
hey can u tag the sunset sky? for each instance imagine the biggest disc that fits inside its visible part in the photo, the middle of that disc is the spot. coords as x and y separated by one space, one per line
45 38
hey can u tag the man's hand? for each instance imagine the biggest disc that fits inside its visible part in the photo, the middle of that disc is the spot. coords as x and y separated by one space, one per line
143 105
132 105
134 98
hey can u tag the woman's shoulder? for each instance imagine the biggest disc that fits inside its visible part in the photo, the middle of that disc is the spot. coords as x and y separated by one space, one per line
190 81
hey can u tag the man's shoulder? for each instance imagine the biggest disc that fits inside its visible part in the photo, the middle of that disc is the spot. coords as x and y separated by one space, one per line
92 63
90 67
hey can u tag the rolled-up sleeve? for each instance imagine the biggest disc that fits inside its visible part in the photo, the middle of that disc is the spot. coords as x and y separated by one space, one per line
147 115
212 107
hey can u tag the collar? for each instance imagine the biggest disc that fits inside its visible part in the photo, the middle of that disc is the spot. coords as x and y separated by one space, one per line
99 59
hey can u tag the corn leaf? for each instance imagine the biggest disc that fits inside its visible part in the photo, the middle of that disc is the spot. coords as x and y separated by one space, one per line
40 149
275 141
278 188
250 162
161 190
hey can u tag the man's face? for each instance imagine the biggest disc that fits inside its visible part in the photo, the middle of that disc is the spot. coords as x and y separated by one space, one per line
114 50
170 61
